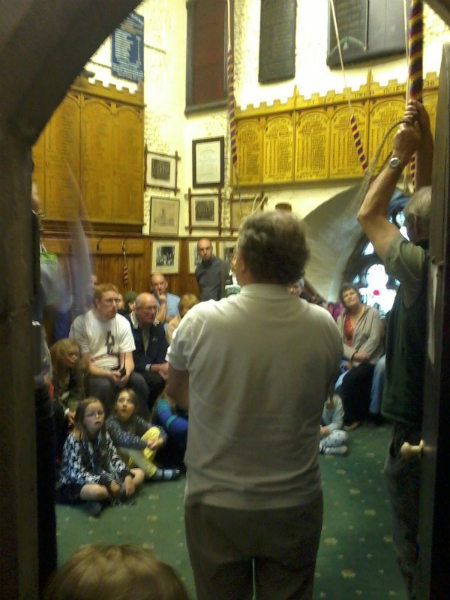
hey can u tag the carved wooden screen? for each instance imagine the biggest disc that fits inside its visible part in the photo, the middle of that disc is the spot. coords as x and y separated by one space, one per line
311 139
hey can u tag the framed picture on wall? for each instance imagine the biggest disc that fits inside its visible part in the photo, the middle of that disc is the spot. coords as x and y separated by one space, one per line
208 162
166 256
161 170
194 257
226 249
205 211
244 208
164 215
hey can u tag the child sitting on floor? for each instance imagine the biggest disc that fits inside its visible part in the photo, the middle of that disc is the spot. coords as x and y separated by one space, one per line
332 438
127 572
91 469
175 424
136 439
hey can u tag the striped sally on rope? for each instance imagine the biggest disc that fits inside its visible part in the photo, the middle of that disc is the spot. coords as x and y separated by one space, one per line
353 123
415 55
125 267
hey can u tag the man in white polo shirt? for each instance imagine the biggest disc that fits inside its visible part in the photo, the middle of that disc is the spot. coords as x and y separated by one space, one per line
254 370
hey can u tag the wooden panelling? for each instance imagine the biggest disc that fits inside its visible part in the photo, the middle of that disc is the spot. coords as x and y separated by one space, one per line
107 261
92 150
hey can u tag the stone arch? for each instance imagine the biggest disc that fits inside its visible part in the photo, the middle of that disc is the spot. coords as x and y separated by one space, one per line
334 236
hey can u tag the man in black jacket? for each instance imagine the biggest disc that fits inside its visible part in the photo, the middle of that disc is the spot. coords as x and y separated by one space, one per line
151 346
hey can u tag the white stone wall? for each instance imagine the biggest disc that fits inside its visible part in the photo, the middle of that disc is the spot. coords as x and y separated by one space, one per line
164 86
313 75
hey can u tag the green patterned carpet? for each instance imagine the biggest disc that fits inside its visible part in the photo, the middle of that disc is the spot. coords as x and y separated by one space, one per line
356 557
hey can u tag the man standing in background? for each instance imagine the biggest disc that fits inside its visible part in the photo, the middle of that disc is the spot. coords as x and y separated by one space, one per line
210 273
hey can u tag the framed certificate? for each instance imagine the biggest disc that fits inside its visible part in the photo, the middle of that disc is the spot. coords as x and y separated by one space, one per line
208 162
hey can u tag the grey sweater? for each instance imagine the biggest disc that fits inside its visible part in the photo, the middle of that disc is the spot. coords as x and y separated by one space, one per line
366 335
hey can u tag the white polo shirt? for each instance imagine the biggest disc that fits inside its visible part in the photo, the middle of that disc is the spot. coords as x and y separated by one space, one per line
259 364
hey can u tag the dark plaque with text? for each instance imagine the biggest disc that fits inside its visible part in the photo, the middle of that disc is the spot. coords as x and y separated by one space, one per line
277 40
367 30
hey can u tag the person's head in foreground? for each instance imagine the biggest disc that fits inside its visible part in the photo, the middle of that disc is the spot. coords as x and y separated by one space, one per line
126 572
271 248
417 214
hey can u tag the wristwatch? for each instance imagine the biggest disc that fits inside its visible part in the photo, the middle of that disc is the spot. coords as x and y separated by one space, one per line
394 162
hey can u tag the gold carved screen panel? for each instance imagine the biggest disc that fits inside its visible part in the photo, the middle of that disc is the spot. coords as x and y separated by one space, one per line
278 149
344 160
430 103
312 139
93 145
249 138
383 114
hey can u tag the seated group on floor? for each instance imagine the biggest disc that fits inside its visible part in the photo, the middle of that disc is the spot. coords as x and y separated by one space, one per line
115 427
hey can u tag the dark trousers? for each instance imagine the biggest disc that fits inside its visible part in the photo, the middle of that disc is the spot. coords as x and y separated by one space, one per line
282 544
104 389
403 477
355 392
45 459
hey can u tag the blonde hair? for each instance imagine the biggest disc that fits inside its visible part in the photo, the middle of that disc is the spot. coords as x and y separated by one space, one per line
108 572
58 352
187 301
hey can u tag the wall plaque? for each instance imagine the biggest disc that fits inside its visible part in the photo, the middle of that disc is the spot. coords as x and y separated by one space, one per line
277 40
383 114
311 146
366 30
278 149
97 158
249 143
127 49
344 161
62 159
127 165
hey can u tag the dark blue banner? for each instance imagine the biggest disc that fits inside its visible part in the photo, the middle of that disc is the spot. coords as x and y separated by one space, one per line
127 49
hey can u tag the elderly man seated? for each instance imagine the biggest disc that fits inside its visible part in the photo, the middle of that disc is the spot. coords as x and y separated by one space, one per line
151 346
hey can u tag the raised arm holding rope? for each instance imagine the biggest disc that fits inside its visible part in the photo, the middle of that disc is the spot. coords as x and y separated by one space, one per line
406 336
410 139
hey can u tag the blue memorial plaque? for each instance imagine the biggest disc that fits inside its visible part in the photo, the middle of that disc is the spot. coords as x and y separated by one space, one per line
127 49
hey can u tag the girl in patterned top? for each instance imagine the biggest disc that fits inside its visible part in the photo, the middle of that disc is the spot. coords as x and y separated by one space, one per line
136 439
91 469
